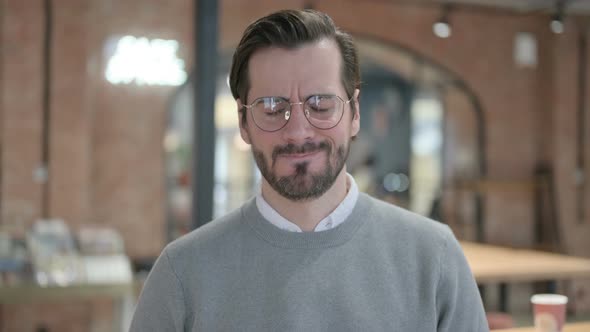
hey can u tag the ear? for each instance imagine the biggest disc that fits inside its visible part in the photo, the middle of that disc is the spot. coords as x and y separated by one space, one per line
243 124
356 116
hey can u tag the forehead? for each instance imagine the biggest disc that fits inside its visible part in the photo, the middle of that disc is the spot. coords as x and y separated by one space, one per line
310 68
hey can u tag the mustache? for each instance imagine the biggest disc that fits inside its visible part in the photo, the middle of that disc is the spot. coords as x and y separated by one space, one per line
305 148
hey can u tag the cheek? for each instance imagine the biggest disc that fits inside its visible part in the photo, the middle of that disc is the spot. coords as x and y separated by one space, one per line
340 135
262 142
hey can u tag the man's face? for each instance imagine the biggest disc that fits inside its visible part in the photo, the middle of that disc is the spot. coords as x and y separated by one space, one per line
299 161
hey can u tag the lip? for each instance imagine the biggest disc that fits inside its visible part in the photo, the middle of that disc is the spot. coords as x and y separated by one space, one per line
297 156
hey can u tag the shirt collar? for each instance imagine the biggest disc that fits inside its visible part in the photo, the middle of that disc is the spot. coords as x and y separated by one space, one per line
335 218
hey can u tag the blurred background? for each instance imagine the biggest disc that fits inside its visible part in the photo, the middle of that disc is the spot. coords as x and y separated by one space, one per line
118 134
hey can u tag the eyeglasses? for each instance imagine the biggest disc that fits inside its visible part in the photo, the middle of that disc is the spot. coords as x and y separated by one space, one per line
322 111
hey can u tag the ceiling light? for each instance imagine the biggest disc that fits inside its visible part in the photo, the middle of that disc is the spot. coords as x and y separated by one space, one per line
556 24
442 28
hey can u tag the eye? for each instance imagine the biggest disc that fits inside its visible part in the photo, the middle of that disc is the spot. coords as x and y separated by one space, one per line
274 111
272 107
321 104
319 109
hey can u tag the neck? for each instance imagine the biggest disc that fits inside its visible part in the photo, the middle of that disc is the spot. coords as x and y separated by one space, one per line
307 213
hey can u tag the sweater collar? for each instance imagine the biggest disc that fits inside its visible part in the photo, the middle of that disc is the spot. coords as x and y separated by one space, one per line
335 218
310 240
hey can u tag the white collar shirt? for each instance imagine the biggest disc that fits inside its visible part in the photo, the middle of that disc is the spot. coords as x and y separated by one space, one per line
335 218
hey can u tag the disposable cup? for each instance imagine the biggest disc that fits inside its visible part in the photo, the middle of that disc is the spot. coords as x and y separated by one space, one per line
549 312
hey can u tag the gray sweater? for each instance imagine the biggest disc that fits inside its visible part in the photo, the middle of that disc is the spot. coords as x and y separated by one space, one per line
384 269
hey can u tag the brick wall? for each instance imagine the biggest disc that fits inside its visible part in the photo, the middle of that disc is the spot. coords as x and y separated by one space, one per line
106 141
21 111
106 164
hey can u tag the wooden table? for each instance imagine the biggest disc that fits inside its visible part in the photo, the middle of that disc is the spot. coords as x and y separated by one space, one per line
491 264
122 294
500 264
571 327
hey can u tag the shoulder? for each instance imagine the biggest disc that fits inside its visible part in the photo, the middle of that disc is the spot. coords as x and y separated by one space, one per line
389 216
208 239
403 226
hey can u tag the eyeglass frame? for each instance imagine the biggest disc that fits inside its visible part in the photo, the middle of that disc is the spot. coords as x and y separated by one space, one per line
305 111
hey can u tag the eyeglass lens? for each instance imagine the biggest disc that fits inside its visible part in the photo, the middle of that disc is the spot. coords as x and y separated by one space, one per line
322 111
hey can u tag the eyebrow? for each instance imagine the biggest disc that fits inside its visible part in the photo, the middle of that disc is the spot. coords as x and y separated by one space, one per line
302 99
316 94
272 97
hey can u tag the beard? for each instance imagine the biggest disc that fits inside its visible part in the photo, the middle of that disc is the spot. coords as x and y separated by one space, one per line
303 184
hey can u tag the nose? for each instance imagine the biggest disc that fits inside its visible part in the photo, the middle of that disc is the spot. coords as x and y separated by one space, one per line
298 128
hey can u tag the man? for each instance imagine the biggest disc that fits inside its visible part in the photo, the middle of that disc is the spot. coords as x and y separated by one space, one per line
309 252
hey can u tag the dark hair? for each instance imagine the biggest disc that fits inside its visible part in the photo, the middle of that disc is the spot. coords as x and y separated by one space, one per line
290 29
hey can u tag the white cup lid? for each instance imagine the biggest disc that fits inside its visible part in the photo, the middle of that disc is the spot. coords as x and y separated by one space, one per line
548 299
